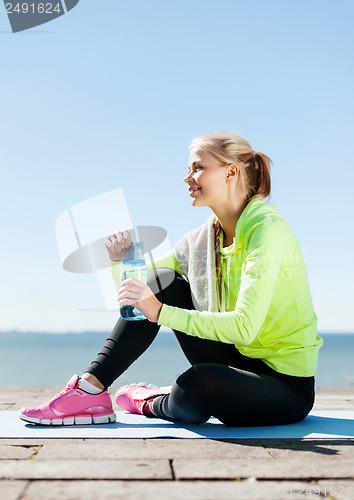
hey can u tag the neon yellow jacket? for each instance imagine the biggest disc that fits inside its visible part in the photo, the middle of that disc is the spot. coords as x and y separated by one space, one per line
267 310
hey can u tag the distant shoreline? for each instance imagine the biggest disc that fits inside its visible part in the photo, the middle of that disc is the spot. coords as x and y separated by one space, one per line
38 358
164 329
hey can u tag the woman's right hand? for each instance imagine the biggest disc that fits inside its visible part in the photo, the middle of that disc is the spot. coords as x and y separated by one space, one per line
118 244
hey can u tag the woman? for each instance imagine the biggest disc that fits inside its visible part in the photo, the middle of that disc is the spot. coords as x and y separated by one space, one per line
236 295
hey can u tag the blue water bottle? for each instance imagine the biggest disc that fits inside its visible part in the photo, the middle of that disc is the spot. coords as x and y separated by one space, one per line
133 266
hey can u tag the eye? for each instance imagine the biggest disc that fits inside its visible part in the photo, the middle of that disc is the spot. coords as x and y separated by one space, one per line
196 167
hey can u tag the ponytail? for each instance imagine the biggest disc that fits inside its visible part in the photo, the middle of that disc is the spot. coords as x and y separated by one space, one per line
257 170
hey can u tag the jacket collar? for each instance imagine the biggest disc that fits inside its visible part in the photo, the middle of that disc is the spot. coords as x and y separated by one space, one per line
255 210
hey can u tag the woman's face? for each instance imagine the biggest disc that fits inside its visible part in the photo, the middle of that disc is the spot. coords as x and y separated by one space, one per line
207 180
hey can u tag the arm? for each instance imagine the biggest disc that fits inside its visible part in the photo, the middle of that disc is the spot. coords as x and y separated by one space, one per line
264 247
132 291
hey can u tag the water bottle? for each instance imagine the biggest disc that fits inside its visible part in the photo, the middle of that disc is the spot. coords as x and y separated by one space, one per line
133 266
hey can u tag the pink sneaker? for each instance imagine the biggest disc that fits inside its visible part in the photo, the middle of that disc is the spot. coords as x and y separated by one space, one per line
135 397
72 406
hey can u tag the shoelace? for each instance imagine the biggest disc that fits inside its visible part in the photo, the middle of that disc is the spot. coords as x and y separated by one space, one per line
62 392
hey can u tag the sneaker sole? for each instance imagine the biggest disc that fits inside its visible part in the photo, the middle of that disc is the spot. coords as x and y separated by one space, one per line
78 420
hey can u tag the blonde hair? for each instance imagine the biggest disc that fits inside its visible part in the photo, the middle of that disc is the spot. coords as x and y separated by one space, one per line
228 147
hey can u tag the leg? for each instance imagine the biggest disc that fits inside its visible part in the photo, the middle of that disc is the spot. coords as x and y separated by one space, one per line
236 397
77 403
129 339
223 383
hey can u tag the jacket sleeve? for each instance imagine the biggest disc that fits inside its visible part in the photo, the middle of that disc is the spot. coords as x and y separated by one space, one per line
167 260
265 244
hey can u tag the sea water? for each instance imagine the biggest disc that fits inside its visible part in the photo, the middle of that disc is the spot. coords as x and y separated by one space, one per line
51 359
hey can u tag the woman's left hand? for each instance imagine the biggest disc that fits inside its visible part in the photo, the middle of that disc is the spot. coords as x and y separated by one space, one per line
133 292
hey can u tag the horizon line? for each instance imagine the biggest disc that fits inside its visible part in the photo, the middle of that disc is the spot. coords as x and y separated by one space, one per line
80 332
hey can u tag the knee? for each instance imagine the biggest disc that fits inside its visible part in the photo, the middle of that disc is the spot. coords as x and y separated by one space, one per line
187 402
170 288
159 279
208 383
190 399
199 381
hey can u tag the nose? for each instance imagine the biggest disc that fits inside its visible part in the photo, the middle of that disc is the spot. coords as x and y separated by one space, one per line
188 178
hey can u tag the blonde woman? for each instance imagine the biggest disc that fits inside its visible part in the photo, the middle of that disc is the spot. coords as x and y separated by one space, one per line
236 295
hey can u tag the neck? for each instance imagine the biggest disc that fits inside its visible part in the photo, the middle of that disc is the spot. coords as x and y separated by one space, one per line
228 220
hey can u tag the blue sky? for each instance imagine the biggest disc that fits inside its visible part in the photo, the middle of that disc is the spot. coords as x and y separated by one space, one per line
111 94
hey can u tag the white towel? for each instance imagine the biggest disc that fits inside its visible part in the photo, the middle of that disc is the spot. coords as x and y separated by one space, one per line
195 253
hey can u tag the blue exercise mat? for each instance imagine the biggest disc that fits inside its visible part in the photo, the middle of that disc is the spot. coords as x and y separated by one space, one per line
317 425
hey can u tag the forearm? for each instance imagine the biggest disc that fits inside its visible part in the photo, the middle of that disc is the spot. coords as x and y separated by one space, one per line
228 327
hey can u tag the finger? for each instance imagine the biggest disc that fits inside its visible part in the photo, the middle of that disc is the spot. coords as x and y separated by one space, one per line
134 294
108 242
128 299
111 245
130 288
117 240
114 236
129 295
127 240
132 281
119 237
125 302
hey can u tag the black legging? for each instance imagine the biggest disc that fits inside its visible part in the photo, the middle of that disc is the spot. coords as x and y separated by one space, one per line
238 390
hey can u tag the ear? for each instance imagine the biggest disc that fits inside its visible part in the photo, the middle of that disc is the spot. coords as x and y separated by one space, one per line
232 172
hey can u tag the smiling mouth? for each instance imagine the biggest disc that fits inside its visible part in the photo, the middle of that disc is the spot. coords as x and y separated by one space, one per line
193 190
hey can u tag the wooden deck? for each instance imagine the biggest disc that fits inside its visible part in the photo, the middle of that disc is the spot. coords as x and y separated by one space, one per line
85 469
